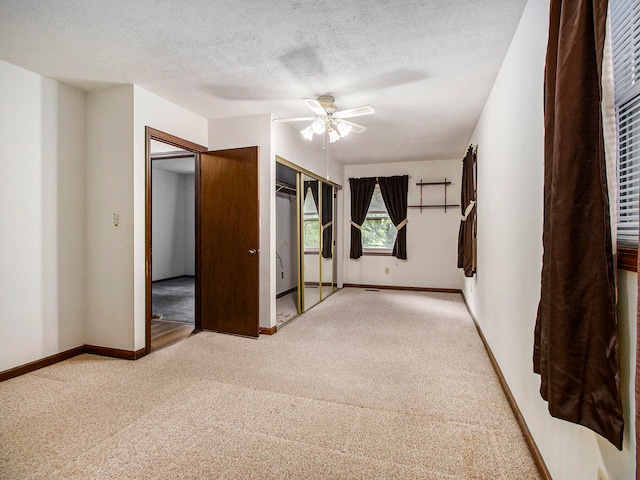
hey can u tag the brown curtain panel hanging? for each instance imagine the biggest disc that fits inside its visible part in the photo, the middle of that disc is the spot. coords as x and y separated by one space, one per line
576 342
466 259
637 377
394 192
327 220
361 193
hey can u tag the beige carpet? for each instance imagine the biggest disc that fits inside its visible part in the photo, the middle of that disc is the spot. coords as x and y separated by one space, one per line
367 385
286 309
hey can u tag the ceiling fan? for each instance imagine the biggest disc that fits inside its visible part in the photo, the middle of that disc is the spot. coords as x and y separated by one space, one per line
328 119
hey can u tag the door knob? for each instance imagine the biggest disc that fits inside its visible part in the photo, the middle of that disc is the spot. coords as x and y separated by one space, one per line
253 251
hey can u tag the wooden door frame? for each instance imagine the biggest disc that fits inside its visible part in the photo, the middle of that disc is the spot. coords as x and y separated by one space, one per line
153 134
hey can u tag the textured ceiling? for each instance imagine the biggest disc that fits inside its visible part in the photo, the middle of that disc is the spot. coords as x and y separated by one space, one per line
427 66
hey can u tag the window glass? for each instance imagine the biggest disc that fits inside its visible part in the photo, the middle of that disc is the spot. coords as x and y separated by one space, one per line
378 231
311 223
625 26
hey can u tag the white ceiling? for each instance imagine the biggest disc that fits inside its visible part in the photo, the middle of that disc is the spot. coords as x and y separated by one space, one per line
427 66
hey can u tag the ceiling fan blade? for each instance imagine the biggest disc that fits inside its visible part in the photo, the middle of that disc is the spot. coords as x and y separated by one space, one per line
297 119
355 128
355 112
315 107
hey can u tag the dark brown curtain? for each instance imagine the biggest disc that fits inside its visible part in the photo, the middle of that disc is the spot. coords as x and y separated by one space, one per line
467 223
361 193
394 192
576 342
637 376
327 219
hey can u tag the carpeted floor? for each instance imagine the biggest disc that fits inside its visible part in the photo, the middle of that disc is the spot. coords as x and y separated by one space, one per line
286 309
174 299
367 385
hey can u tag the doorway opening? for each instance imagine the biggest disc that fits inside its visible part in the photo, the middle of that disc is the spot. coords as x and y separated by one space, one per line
172 282
287 303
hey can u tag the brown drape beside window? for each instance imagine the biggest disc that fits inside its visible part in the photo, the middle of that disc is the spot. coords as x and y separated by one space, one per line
394 192
637 377
361 193
576 342
327 220
466 258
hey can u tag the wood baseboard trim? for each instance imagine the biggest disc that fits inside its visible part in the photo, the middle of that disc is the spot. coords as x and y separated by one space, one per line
66 355
286 292
526 433
411 289
38 364
174 278
268 330
115 352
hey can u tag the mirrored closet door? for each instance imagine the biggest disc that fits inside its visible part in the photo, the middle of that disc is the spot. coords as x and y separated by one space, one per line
311 230
327 241
306 263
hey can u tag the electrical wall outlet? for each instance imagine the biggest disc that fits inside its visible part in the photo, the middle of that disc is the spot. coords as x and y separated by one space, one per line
116 219
602 475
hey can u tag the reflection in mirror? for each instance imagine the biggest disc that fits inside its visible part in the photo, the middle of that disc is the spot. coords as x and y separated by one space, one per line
287 305
334 232
327 270
311 233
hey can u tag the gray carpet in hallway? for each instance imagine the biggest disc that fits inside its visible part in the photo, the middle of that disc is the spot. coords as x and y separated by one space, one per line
366 385
174 299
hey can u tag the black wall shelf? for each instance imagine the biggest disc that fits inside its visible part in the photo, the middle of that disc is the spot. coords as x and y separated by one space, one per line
421 184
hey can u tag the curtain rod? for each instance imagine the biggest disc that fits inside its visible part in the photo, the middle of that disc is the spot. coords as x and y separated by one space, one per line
379 177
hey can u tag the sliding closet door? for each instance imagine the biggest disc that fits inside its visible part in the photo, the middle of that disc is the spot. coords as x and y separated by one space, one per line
228 256
310 236
327 250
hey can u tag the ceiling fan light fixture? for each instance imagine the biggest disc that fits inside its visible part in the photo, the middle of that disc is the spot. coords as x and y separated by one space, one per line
334 136
343 129
318 126
307 133
328 120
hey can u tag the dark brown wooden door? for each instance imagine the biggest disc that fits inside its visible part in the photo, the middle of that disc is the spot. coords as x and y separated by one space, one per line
228 246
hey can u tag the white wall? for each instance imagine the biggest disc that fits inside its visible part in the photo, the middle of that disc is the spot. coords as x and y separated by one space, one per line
432 236
173 224
189 184
110 276
505 292
289 144
42 245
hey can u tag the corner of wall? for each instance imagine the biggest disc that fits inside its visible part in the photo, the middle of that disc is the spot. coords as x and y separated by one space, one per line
109 191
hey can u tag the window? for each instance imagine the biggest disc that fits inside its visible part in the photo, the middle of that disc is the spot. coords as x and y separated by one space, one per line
378 231
311 224
625 25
